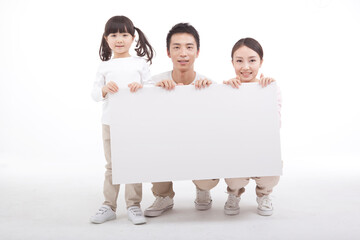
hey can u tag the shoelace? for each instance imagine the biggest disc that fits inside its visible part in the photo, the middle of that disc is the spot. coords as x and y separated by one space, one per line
102 210
158 202
233 200
203 194
265 202
135 211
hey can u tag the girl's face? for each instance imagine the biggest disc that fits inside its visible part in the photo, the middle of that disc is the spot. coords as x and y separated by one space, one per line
120 43
246 63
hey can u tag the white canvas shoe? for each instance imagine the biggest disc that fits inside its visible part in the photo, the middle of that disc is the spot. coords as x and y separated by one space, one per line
265 207
135 215
203 200
232 205
160 205
105 213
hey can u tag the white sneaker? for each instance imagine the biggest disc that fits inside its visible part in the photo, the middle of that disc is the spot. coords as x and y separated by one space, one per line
135 215
203 200
265 207
232 205
105 213
159 206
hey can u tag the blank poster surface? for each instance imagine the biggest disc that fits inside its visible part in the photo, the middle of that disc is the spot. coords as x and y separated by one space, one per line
188 134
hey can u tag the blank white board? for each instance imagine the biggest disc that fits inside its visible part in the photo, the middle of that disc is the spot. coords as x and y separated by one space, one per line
186 134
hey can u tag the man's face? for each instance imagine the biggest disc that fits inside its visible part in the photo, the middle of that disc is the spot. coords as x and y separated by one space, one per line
183 51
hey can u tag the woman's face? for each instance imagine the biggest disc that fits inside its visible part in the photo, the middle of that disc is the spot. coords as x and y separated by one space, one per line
246 63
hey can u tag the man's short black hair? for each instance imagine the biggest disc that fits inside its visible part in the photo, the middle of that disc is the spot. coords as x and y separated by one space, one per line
183 28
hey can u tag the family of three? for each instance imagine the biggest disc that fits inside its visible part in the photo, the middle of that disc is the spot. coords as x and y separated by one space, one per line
119 70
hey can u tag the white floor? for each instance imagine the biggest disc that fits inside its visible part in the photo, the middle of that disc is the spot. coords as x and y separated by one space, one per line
312 201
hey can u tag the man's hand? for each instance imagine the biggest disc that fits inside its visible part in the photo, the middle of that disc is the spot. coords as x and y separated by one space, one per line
167 84
202 83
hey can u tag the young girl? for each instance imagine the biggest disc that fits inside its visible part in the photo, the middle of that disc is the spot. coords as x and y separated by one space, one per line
247 58
117 70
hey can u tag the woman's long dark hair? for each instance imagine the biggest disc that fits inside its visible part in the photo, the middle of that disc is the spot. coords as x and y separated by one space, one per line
123 24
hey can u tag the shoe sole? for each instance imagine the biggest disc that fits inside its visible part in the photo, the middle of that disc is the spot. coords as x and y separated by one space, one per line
156 213
137 222
265 212
202 207
99 222
231 212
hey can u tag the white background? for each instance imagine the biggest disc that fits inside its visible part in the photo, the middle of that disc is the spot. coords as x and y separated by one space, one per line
49 55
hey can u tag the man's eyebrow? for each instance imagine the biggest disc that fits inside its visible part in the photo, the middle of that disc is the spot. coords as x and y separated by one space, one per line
185 44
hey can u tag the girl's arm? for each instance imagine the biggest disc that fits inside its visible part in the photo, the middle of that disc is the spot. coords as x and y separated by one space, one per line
101 89
135 86
110 87
97 91
279 101
145 74
145 77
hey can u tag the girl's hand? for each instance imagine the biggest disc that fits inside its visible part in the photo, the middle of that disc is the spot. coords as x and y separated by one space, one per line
264 81
202 83
110 87
134 86
234 82
166 84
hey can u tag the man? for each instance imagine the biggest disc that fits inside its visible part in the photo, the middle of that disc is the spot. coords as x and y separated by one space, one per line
183 47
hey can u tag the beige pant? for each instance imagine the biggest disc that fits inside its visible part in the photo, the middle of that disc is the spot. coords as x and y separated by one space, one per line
264 185
133 192
164 189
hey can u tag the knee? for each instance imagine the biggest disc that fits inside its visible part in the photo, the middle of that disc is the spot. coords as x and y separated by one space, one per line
236 183
206 184
270 181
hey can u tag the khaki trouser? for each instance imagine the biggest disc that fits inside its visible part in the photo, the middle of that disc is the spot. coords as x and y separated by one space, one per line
165 189
133 192
264 185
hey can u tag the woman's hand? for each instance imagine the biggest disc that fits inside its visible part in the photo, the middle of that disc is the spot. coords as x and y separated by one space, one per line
135 86
264 81
110 87
234 82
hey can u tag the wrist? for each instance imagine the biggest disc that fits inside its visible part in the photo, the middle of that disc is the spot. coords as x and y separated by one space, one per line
103 92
